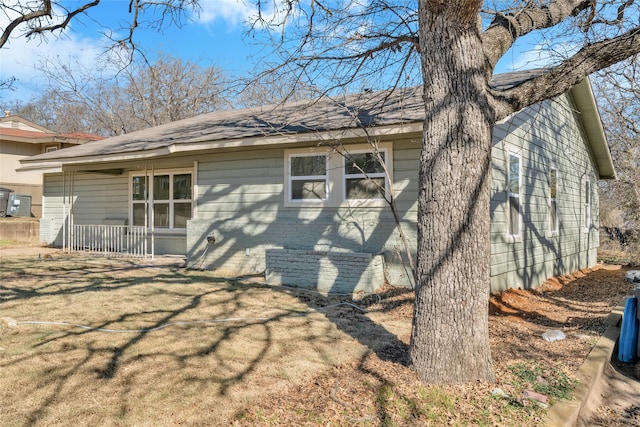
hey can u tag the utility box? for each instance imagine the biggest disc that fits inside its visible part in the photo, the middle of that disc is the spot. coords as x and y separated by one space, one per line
4 200
19 205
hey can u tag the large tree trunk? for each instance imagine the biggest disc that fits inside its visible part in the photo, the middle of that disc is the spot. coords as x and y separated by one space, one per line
450 337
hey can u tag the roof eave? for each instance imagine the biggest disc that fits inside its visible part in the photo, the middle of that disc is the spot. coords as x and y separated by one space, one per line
45 139
585 101
195 146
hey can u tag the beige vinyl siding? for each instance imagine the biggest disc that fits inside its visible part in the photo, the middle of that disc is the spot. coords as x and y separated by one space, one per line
10 155
545 135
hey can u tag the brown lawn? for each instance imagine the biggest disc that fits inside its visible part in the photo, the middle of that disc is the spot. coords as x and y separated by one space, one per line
182 347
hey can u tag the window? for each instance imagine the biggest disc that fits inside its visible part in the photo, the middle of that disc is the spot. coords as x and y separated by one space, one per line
364 177
308 178
168 197
513 190
553 201
355 176
51 148
587 206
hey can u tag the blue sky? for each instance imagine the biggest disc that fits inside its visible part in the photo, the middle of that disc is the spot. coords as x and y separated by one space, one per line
213 38
216 37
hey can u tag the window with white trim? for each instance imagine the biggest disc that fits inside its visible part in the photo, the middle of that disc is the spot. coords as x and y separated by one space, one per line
354 175
167 197
513 195
587 206
308 179
364 176
553 201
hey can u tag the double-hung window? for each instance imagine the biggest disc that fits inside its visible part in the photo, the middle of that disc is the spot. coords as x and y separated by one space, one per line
163 200
364 175
308 179
553 201
350 175
513 189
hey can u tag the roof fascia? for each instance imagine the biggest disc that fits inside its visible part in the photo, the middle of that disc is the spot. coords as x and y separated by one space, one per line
258 141
67 162
15 118
29 140
582 95
44 139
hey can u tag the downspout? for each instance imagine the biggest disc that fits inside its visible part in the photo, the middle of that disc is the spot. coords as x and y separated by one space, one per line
64 211
194 196
72 184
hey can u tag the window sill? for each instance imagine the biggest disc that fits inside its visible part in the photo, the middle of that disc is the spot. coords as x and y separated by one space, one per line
378 203
308 204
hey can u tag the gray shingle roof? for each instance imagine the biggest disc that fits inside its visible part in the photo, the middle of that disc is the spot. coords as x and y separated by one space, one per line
382 108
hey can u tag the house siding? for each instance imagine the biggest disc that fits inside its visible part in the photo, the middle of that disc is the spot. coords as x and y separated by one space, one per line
23 183
109 205
544 135
241 202
89 206
239 198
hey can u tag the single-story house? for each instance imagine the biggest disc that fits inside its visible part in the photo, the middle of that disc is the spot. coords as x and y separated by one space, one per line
21 138
294 191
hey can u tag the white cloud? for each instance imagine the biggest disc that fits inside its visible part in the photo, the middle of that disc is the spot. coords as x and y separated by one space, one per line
535 57
538 56
234 12
21 57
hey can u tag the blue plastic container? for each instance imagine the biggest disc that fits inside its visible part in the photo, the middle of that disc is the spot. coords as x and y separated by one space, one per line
628 344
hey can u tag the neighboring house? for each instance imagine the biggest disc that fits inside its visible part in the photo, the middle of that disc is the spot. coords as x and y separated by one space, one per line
268 190
20 138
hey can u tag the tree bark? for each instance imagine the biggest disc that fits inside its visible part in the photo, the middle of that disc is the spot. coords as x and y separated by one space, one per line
450 335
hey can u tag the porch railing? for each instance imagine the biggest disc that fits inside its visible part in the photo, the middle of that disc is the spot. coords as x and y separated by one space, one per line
110 240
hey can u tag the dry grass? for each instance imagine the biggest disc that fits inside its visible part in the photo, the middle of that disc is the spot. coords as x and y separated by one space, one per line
195 374
287 362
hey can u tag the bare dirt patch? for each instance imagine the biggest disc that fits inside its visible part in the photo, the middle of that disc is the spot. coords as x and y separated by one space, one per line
280 357
380 389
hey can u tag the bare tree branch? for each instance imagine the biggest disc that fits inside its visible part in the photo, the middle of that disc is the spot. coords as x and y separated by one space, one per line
561 78
24 18
39 18
69 16
507 28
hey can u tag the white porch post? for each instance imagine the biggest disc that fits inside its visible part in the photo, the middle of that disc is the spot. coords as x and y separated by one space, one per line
71 190
153 234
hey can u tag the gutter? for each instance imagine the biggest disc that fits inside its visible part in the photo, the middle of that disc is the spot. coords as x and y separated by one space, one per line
59 163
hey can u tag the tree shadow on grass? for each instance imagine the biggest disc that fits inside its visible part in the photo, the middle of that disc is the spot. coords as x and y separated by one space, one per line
350 316
158 351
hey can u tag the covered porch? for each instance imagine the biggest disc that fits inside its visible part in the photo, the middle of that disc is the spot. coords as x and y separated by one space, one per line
110 236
